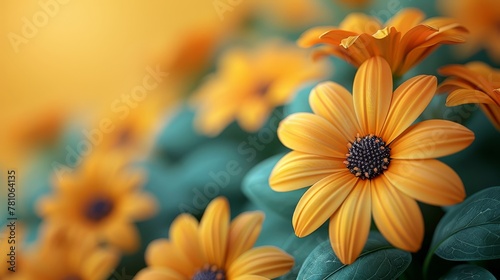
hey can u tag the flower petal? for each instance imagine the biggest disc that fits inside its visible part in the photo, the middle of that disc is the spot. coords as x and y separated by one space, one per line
184 236
462 72
159 274
243 233
312 36
334 103
161 253
266 261
467 96
309 133
431 139
428 180
408 102
406 19
298 170
214 228
320 202
397 216
372 93
350 225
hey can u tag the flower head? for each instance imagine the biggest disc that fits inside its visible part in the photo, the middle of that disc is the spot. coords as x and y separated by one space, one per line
363 157
250 84
214 249
482 19
404 41
100 199
474 82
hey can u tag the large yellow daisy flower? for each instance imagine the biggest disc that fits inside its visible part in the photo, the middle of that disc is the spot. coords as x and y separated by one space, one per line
250 84
100 199
214 249
363 157
404 41
474 82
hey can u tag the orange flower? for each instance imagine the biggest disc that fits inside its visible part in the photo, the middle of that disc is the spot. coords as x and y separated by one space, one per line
403 42
57 257
214 249
250 84
100 199
482 20
474 82
363 157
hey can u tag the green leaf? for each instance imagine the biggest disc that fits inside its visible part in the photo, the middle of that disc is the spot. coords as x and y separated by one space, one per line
468 272
256 188
471 230
379 260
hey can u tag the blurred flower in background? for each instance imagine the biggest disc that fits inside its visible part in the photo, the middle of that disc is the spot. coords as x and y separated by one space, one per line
474 82
249 84
100 199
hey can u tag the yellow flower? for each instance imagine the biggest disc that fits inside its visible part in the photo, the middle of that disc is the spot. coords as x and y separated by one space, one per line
404 41
214 248
57 257
481 17
474 82
250 84
100 199
363 157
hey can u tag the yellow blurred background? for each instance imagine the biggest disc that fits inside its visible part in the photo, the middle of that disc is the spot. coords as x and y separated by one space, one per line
60 57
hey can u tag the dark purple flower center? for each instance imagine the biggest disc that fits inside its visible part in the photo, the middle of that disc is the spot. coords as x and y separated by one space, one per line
368 157
99 208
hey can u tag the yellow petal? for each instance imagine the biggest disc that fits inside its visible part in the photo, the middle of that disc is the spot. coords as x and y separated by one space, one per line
212 121
243 233
159 274
427 180
462 72
334 103
100 264
312 36
266 261
493 113
372 93
214 228
252 115
431 139
139 206
350 225
467 96
250 277
406 19
397 216
184 236
408 102
309 133
161 253
452 84
297 170
320 202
